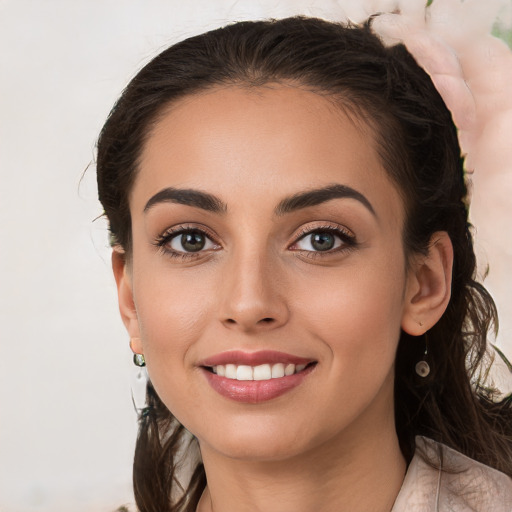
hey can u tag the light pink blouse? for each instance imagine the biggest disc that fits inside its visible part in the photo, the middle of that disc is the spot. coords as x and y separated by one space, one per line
460 485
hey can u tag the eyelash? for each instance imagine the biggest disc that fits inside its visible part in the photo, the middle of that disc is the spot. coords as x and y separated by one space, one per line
165 238
348 240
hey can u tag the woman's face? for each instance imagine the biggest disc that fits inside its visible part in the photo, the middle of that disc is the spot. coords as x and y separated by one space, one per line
266 237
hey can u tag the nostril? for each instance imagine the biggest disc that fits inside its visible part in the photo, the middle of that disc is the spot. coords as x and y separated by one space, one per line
247 323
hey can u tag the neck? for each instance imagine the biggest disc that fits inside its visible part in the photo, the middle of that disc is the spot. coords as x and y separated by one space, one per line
359 471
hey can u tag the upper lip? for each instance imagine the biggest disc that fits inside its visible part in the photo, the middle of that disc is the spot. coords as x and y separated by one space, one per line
240 357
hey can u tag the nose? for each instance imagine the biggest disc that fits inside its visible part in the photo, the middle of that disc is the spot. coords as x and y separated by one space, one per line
253 295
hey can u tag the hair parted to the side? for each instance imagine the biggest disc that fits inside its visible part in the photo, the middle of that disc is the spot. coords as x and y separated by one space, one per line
417 142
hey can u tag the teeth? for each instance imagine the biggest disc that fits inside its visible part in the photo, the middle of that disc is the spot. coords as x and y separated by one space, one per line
261 372
230 371
277 370
244 372
289 369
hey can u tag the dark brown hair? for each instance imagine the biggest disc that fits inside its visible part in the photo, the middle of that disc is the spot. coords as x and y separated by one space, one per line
417 142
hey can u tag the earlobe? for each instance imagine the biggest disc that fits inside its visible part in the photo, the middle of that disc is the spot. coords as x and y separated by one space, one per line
428 286
123 279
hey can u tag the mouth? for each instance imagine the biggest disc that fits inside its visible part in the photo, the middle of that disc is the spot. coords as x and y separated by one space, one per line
255 377
261 372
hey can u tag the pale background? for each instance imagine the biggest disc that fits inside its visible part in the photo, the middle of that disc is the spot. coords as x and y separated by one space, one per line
67 425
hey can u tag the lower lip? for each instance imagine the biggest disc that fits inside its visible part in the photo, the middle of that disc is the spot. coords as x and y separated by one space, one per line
255 391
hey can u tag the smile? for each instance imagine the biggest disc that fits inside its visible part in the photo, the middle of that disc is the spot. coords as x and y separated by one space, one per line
255 377
260 372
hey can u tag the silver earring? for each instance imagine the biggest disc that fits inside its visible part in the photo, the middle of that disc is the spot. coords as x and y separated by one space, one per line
422 367
138 360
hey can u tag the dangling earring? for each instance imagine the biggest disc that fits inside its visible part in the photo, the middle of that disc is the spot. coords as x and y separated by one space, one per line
139 380
422 367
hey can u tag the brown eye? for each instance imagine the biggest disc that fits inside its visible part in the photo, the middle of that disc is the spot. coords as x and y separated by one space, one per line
190 241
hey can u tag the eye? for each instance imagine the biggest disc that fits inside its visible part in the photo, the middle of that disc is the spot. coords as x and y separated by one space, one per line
324 239
191 241
185 241
319 241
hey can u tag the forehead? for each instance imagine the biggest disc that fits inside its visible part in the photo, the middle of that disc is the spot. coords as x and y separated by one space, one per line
261 142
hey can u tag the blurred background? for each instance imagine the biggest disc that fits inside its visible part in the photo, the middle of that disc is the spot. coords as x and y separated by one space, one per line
67 422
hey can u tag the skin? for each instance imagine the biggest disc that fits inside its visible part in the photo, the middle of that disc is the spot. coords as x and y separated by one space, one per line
330 443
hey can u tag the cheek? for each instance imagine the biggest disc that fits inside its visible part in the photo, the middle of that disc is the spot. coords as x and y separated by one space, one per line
171 303
357 311
173 311
168 316
356 316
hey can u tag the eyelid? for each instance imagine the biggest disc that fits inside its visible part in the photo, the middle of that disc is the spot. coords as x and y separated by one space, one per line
346 236
163 239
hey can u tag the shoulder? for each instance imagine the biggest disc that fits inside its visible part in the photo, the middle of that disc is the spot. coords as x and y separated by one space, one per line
440 479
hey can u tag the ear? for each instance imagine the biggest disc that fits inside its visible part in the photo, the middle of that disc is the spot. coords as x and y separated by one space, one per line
123 277
428 288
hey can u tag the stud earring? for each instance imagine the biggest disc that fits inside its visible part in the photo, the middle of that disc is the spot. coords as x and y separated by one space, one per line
422 367
138 360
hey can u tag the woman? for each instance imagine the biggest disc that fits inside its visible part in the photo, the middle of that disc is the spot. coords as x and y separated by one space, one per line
294 264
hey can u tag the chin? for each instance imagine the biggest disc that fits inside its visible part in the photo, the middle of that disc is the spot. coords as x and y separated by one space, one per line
261 439
253 448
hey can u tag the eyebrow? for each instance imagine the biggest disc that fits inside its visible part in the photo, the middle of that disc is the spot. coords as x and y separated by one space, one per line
189 197
299 201
321 195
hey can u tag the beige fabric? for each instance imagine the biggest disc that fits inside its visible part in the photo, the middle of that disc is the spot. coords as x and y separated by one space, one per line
463 486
